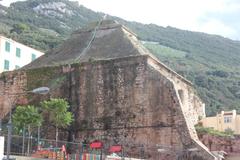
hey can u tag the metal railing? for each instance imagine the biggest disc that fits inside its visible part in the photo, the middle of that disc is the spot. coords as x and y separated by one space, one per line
47 149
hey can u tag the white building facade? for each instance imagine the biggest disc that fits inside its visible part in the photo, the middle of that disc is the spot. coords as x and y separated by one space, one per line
14 55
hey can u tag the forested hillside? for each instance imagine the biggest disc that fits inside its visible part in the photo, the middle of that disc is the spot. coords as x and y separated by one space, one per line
211 62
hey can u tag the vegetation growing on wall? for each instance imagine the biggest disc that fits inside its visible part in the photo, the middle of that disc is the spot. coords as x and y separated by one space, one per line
46 76
211 131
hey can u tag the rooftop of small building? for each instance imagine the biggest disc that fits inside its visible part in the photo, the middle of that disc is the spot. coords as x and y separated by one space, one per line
102 40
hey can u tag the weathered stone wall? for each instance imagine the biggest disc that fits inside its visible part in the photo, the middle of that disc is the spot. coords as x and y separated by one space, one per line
193 107
217 143
187 102
12 85
130 101
125 102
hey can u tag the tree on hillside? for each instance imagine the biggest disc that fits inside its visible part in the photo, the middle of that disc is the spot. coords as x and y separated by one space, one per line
19 28
57 110
27 117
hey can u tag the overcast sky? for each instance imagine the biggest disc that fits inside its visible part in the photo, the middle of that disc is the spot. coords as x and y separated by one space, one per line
211 16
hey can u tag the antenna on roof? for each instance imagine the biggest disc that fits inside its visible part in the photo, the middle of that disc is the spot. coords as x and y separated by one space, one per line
92 39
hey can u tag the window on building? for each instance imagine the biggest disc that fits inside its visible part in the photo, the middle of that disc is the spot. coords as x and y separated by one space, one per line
227 119
18 52
33 56
6 65
7 46
17 67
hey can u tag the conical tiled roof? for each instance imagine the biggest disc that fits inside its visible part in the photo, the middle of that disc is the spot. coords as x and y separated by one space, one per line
102 40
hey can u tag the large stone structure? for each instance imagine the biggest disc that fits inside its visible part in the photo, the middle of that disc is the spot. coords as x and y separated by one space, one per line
119 93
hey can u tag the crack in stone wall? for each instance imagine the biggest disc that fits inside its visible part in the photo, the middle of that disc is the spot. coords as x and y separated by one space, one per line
131 101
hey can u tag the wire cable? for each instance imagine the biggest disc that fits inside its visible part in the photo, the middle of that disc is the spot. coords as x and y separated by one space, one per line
91 40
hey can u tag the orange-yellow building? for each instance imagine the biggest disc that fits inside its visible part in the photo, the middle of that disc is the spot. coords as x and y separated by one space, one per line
223 121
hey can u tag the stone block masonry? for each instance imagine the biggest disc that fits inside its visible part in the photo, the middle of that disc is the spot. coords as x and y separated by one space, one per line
118 92
230 145
134 101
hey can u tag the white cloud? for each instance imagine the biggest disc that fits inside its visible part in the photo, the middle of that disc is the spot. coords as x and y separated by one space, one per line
217 27
8 2
184 14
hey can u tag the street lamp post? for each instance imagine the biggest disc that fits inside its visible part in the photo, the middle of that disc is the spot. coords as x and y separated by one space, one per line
0 126
40 90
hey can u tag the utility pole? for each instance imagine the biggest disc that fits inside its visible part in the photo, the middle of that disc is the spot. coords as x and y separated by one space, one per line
0 123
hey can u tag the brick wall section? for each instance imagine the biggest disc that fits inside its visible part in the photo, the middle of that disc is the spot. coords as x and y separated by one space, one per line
216 143
130 101
12 86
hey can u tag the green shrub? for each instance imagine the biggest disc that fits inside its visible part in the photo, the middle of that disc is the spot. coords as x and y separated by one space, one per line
211 131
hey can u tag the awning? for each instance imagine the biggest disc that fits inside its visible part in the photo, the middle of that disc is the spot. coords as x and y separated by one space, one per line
96 145
115 149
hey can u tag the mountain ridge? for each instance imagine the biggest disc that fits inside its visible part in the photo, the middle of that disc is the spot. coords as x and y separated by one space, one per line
211 62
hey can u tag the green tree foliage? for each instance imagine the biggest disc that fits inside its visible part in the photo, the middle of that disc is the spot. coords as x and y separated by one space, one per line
58 114
229 131
19 28
207 130
29 117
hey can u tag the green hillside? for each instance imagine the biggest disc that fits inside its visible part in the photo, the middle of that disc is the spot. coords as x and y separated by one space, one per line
211 62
